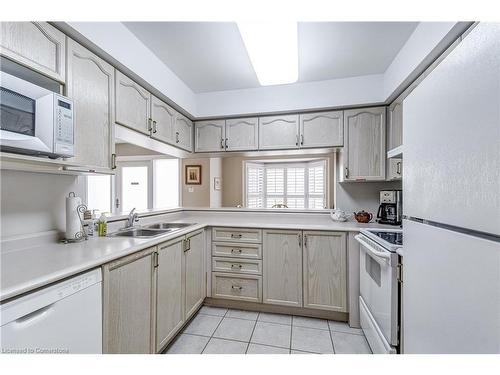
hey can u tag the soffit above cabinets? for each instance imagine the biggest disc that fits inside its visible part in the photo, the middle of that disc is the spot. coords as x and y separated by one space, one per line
211 56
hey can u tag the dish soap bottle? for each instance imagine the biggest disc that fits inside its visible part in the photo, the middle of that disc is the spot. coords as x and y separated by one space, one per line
102 225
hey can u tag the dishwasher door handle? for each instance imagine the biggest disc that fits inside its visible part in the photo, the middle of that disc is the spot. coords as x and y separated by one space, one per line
34 315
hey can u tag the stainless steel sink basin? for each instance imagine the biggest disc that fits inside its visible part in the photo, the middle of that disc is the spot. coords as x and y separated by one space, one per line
168 226
140 233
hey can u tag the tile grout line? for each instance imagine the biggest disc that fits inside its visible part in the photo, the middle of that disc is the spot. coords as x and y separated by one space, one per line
331 339
253 330
208 342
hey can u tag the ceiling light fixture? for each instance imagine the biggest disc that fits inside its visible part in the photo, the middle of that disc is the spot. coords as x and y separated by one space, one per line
273 50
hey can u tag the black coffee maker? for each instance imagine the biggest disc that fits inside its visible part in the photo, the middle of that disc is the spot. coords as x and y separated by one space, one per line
390 210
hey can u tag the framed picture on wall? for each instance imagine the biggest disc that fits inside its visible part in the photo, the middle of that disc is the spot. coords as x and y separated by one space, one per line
216 183
193 174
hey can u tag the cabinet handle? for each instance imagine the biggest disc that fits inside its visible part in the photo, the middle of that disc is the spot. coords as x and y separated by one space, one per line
222 143
155 259
297 140
187 245
233 266
150 127
154 127
176 137
236 235
398 167
234 251
113 161
237 287
302 139
305 240
299 237
346 172
225 143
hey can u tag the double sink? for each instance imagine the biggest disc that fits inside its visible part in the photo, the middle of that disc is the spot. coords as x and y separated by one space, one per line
152 230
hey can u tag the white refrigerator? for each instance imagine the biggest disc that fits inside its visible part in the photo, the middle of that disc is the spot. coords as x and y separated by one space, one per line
451 189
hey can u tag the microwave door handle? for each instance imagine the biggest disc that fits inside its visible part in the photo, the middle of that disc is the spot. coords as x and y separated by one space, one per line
371 249
379 212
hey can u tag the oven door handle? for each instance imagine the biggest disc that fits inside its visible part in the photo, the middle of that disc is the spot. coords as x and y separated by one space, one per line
371 249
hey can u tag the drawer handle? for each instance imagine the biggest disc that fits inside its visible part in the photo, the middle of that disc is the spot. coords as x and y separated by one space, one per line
234 251
236 266
236 235
237 287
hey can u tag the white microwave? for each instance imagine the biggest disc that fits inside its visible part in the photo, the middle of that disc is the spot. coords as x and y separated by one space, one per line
34 120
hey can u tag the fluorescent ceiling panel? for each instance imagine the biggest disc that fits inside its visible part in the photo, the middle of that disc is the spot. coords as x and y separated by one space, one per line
272 48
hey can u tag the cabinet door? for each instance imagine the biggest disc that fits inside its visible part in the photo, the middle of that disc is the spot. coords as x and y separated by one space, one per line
169 291
278 132
395 125
325 277
183 133
90 83
163 117
128 304
242 134
132 104
282 278
210 135
323 129
195 277
37 45
364 146
394 169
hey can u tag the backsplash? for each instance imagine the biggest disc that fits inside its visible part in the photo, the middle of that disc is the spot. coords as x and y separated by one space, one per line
34 202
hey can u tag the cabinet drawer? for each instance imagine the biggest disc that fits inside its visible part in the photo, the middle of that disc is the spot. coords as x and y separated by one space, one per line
250 267
237 250
240 287
237 235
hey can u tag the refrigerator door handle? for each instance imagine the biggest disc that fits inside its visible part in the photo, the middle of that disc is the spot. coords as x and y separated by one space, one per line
371 249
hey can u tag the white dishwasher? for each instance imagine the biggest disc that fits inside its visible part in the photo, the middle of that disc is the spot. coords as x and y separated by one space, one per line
62 318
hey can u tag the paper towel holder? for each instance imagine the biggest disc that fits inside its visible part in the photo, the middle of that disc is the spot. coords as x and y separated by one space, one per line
80 235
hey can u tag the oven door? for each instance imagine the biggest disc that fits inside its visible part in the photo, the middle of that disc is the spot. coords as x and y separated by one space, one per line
379 287
21 104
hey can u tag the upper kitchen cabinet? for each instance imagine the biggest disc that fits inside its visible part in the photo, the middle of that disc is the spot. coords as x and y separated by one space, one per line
395 125
242 134
36 45
90 83
163 121
322 129
364 157
210 136
132 104
279 132
183 133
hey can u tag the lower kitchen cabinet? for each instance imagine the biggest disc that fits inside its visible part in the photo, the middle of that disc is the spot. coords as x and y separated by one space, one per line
195 277
282 261
128 304
169 291
325 263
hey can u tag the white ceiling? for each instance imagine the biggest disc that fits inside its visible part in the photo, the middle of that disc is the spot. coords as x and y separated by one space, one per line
211 56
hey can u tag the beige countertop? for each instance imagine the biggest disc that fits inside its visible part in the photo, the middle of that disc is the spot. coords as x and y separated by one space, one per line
28 264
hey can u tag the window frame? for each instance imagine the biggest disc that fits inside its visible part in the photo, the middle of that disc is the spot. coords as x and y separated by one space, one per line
306 164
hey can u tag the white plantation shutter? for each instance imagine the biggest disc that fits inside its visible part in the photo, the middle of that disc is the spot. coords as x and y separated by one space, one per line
255 185
317 185
297 185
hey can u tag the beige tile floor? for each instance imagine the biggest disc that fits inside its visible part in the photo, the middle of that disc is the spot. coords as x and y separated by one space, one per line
217 330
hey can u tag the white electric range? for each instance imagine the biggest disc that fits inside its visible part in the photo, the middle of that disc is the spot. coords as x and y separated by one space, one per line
379 300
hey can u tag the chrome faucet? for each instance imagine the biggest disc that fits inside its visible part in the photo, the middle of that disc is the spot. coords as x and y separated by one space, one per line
132 218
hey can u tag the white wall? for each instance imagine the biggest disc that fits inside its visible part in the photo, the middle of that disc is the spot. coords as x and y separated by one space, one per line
215 171
426 42
121 44
35 202
354 91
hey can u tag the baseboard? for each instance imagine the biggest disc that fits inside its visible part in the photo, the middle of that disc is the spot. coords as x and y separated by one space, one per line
260 307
